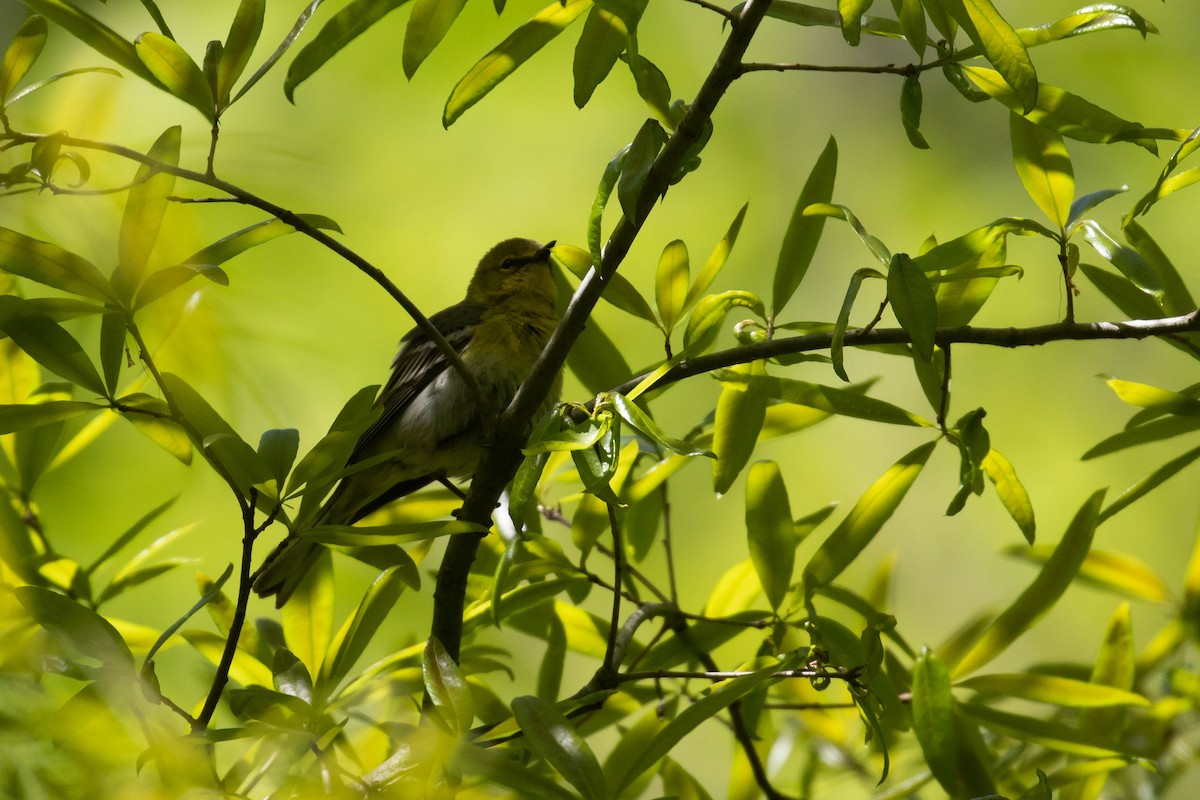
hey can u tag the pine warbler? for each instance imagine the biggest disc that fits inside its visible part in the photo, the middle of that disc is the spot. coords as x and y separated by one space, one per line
429 413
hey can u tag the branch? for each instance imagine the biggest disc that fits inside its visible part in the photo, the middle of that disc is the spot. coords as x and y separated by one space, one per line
1167 327
500 462
285 215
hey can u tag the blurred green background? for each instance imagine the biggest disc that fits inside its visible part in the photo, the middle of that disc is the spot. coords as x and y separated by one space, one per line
298 330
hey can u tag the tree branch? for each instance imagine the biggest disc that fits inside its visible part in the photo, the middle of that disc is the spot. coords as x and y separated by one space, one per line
500 462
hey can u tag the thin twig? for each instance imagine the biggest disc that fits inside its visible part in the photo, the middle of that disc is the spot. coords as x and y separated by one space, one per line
610 664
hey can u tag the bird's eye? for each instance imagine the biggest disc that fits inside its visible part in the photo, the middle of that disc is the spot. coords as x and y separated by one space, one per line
507 263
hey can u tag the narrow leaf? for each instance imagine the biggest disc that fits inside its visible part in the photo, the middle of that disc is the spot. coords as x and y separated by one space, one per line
49 264
720 254
342 28
865 520
933 719
772 541
24 49
514 51
803 233
671 283
553 738
601 43
239 46
1041 594
48 343
1011 492
95 34
1001 44
1064 692
145 206
736 425
913 300
427 26
447 688
176 71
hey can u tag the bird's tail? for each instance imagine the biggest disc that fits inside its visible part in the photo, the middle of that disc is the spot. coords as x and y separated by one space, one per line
284 568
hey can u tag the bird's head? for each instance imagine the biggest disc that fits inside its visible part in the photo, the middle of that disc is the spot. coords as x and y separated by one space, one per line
515 268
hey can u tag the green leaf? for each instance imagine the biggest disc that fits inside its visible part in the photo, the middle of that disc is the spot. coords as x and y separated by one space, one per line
716 260
1115 572
341 29
933 719
877 248
1176 297
307 617
772 540
112 349
393 533
48 343
736 425
1041 594
704 323
1153 431
911 17
671 283
1128 261
650 429
846 402
653 88
1002 46
803 233
514 51
427 26
20 416
216 436
1064 692
865 520
643 151
851 12
1058 736
1138 490
93 33
608 182
358 630
1044 167
1166 183
706 708
552 737
151 417
913 300
145 207
80 629
910 105
601 43
804 14
239 46
1058 110
1151 397
24 49
49 264
1123 293
277 448
837 345
619 291
447 688
495 766
204 262
1089 201
176 71
1011 492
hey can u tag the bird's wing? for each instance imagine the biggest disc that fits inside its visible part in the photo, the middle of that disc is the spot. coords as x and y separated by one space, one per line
419 361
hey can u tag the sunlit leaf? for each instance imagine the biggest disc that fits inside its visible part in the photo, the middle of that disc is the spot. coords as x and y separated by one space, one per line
708 273
1037 598
619 291
1011 492
80 629
1128 261
1052 689
24 49
145 206
1044 167
341 29
358 631
671 282
176 71
1002 46
704 323
1058 736
736 425
514 51
865 520
847 402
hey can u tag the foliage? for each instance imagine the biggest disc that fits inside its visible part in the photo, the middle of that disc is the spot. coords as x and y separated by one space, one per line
321 702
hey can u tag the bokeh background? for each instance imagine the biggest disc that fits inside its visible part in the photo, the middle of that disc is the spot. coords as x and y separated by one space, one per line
298 331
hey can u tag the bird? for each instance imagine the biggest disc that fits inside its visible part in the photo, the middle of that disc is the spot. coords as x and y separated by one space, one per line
428 413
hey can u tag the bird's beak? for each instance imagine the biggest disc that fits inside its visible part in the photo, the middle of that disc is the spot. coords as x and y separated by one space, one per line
544 253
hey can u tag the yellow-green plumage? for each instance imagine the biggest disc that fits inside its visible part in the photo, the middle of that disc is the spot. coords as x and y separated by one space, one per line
429 415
